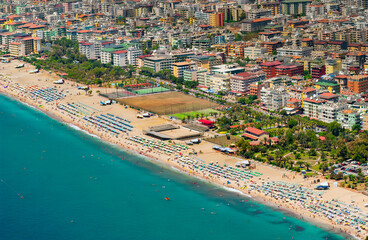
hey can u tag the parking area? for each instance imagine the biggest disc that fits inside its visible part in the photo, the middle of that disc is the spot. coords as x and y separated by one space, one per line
351 168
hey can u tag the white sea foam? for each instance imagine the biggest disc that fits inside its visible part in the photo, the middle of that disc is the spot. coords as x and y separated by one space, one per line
82 130
236 191
175 169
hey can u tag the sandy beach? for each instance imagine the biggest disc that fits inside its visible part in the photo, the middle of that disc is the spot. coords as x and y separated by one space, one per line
264 183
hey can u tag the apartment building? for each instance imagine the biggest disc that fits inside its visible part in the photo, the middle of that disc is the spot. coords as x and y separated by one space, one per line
287 51
254 52
294 7
88 49
328 112
326 85
348 118
180 67
274 99
204 78
192 74
84 35
225 69
258 13
270 68
318 71
255 89
106 55
133 54
239 83
159 62
25 46
365 122
311 107
217 19
120 58
289 70
15 49
333 66
250 25
275 7
219 82
358 83
207 61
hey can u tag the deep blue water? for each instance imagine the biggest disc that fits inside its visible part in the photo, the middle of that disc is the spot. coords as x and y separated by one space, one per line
59 183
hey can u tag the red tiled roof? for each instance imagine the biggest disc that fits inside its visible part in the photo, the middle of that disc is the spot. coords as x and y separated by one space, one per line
249 136
294 100
286 66
84 31
328 95
37 26
27 38
120 51
255 131
313 101
13 16
144 56
262 19
274 63
309 90
275 139
104 43
341 76
243 74
245 124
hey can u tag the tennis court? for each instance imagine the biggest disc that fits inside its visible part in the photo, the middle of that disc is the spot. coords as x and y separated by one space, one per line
151 90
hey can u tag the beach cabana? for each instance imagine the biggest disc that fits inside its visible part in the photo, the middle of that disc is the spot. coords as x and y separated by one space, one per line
323 186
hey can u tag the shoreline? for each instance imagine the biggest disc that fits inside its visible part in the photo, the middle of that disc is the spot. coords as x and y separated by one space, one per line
157 158
258 199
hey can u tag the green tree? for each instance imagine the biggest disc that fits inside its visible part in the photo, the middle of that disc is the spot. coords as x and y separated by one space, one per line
292 123
323 167
300 163
356 127
335 128
307 165
238 37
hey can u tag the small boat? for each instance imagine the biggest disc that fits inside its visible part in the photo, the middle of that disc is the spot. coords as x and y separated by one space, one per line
167 199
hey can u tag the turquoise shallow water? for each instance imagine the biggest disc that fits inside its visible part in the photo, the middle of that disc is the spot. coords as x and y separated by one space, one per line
58 183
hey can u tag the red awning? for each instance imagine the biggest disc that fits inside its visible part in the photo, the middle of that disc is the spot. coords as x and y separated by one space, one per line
205 121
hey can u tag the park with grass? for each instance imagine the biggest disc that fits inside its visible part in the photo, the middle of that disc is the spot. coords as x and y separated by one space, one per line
303 145
196 114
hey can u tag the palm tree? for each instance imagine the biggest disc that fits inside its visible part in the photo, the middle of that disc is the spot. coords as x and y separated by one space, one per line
352 178
345 178
324 168
300 163
307 165
291 164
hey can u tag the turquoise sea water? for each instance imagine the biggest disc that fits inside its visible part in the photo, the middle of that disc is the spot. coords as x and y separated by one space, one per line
58 183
